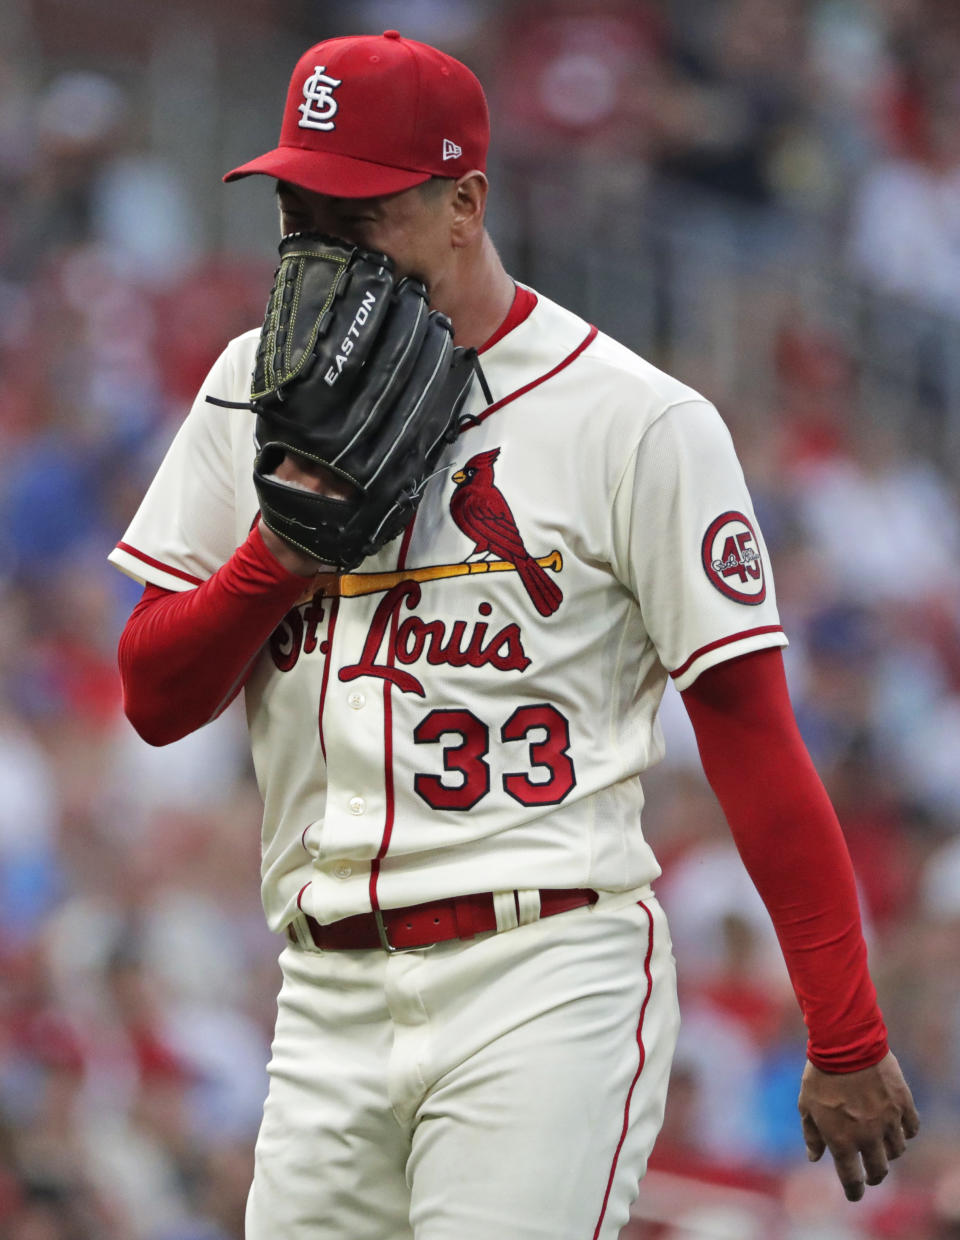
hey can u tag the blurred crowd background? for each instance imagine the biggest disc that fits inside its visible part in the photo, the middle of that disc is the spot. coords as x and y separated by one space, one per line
762 196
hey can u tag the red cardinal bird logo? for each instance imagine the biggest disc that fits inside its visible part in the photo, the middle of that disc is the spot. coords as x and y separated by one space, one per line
480 511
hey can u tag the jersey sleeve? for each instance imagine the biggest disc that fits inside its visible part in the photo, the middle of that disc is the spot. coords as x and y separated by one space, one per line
187 524
688 545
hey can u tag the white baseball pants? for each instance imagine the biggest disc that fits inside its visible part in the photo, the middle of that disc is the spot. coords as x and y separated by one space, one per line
508 1086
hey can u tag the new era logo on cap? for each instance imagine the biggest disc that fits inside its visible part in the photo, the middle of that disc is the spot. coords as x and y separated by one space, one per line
451 150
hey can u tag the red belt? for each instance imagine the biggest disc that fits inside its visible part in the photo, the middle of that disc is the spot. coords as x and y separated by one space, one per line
405 929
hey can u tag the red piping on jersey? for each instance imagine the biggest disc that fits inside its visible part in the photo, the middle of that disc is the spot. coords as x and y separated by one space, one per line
522 306
401 563
389 791
469 422
148 559
331 625
300 894
725 641
636 1078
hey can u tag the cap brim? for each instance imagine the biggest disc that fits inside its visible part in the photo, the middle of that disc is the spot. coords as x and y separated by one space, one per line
340 176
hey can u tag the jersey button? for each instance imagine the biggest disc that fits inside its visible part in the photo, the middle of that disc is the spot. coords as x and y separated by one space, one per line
357 701
357 805
343 869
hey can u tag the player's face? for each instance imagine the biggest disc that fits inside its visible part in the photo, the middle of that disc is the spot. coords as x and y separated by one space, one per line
413 227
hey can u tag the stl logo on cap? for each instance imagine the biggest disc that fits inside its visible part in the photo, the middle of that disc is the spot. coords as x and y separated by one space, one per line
319 106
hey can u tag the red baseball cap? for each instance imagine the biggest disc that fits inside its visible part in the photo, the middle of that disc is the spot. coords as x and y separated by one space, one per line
374 114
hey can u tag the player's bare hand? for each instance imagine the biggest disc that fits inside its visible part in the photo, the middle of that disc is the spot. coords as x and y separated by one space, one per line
301 471
863 1118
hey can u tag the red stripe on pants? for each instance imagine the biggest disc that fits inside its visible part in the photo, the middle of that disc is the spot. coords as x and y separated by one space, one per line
633 1083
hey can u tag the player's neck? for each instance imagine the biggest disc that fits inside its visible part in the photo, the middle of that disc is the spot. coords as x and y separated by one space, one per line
478 295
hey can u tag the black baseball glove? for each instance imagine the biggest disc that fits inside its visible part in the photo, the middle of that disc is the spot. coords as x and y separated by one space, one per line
357 374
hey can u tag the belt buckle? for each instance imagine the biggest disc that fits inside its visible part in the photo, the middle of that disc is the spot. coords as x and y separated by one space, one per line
385 941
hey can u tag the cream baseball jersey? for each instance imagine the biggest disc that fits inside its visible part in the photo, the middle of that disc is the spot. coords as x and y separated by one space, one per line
473 710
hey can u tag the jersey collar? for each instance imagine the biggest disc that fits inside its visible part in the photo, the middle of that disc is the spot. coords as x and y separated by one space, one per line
524 300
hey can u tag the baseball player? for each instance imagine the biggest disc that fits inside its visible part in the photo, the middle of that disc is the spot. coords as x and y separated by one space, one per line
478 1007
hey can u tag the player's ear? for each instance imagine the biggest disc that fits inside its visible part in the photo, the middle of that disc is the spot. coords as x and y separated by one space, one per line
468 204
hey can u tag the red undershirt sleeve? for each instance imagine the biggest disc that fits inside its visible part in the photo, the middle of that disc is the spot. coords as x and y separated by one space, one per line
788 836
185 656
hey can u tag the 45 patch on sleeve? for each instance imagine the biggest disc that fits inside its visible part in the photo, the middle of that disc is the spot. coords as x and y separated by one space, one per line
732 560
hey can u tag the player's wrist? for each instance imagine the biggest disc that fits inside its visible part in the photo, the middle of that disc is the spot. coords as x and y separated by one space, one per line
855 1058
290 558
